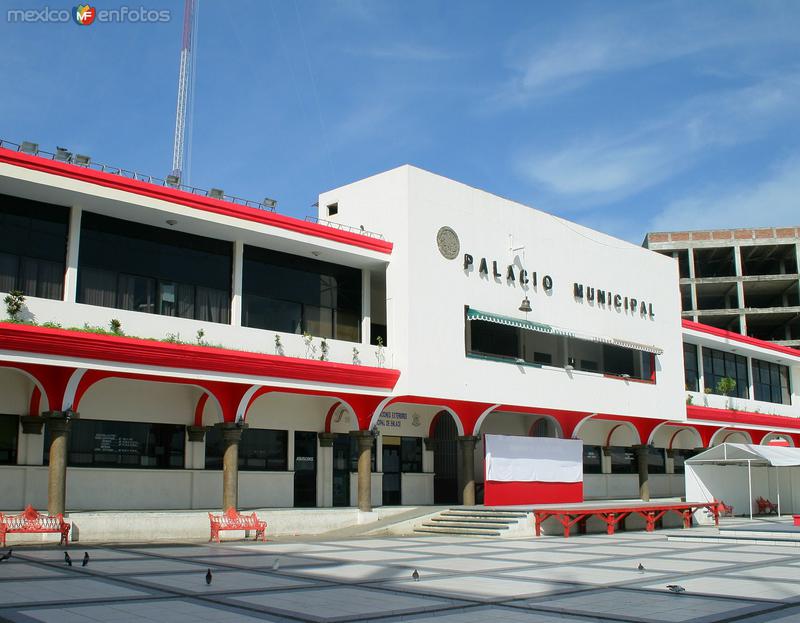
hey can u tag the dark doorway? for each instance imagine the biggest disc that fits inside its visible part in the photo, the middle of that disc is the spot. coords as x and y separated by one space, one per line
341 470
391 471
445 460
305 469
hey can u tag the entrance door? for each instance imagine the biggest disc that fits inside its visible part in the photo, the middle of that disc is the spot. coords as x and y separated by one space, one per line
391 471
341 470
305 469
445 461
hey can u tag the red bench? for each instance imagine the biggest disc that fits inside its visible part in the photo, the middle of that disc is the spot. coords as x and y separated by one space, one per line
231 519
32 521
612 516
766 507
725 510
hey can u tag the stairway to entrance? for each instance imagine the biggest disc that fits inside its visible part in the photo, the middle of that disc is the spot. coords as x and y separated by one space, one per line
478 521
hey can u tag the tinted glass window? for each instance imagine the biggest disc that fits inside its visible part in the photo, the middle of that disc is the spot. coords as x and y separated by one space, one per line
411 454
259 449
656 461
354 454
623 460
33 247
293 294
771 382
592 460
679 458
690 370
103 443
153 270
9 433
718 365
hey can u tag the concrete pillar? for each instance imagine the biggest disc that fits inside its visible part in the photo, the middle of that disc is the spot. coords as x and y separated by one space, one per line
31 440
693 288
467 443
231 436
325 470
58 424
236 279
644 476
366 303
364 438
196 450
737 260
73 248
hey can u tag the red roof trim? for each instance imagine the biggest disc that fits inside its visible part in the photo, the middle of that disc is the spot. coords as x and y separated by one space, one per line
738 337
62 342
197 202
741 418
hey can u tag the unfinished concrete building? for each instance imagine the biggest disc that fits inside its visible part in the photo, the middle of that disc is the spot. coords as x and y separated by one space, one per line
742 280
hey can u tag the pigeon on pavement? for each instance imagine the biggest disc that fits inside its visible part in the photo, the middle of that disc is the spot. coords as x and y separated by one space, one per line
415 575
208 576
5 556
276 565
641 568
67 559
675 588
85 559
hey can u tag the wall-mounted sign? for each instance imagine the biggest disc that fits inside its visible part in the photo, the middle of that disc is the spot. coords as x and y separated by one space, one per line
509 272
392 419
611 300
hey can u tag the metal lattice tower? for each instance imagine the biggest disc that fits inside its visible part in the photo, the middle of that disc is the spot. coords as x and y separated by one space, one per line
184 87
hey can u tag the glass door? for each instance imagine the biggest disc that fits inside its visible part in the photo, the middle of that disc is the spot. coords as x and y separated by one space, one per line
341 470
305 469
391 471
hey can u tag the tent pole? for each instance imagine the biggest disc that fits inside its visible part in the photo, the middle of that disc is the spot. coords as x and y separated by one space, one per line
750 488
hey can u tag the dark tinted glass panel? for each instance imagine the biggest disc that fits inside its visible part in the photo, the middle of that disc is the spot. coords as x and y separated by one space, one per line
656 461
148 269
292 294
718 365
619 360
623 460
259 449
9 433
679 458
690 370
771 382
103 443
411 454
497 340
592 460
33 247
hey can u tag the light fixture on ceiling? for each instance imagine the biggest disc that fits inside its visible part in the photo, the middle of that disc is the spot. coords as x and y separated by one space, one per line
525 306
171 222
316 253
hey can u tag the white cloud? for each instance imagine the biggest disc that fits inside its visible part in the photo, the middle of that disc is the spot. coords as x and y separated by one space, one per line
602 44
773 201
608 167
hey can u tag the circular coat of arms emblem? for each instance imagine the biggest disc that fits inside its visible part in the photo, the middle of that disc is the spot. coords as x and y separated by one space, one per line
448 243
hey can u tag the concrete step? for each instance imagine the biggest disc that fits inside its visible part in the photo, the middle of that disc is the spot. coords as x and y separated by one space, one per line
439 523
458 531
509 516
475 520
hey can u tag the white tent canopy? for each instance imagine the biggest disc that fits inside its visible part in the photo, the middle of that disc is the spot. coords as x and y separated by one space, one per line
776 456
738 473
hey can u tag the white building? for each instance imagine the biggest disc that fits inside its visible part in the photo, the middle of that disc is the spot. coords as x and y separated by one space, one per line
599 357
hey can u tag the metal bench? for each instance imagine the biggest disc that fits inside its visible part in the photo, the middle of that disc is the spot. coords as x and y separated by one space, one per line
766 507
32 521
231 519
613 516
725 510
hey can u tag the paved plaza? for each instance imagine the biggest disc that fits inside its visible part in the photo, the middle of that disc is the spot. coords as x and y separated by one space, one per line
545 580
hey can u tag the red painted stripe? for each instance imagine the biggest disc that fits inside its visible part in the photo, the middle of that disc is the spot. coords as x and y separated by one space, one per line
741 418
197 202
75 344
738 337
497 493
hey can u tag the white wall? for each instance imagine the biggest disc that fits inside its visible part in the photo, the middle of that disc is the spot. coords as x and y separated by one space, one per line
428 293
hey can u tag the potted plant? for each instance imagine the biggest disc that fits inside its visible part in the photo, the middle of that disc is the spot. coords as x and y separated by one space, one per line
14 301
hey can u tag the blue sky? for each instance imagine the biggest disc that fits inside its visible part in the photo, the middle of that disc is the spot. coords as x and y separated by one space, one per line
626 117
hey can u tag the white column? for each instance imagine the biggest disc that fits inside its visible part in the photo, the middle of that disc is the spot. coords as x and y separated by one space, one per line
236 299
737 259
73 247
366 312
751 389
701 383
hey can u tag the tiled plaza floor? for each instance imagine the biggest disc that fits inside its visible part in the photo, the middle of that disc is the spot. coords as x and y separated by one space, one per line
545 580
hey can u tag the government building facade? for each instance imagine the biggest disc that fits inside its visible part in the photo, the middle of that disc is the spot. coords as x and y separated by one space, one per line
177 350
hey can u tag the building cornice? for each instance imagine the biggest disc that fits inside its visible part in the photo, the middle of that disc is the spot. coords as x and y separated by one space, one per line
197 202
741 419
77 345
742 339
